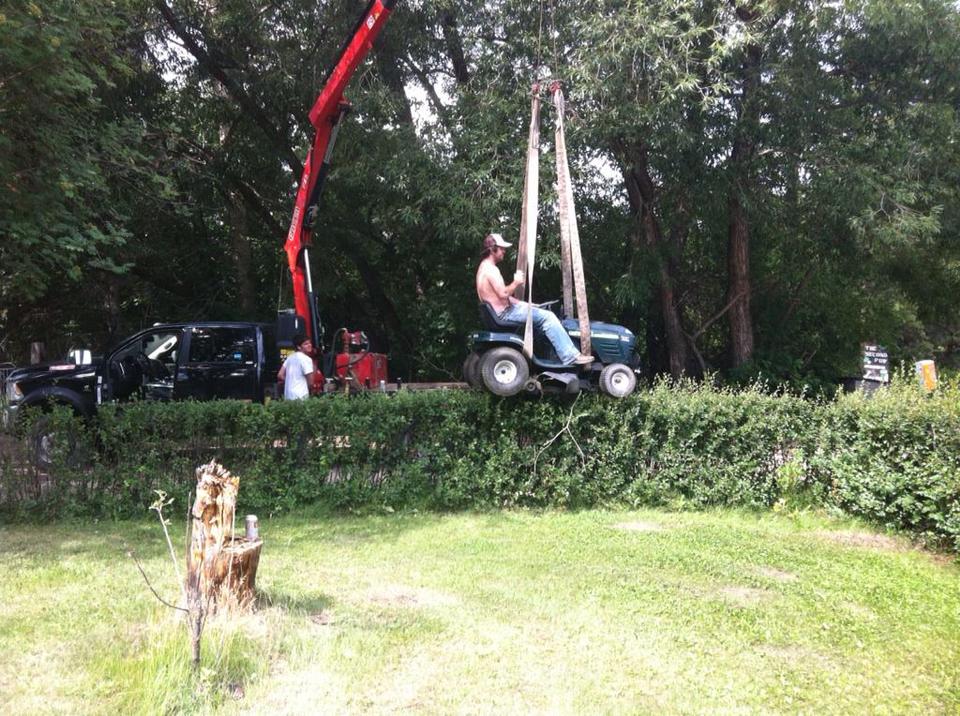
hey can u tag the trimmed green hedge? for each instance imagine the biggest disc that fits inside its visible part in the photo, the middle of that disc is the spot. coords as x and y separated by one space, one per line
892 458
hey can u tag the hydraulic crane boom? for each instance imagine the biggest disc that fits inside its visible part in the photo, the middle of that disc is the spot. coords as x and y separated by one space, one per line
325 117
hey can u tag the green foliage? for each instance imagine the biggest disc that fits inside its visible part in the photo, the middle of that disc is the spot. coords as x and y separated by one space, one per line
895 460
63 150
849 187
892 459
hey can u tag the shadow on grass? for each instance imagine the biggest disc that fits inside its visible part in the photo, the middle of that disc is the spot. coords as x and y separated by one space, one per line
40 546
297 603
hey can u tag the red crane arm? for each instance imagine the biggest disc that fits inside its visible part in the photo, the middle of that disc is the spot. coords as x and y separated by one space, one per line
325 116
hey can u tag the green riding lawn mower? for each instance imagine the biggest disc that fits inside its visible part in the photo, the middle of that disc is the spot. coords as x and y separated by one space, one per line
497 362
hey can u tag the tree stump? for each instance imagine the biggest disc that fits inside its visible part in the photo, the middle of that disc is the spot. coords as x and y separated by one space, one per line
222 567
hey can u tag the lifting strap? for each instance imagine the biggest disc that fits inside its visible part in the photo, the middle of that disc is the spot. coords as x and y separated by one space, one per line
527 245
570 257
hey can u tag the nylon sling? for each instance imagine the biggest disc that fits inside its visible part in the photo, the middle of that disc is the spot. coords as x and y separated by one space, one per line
570 255
527 245
571 258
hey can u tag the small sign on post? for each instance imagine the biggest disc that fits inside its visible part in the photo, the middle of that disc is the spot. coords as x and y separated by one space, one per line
876 363
927 375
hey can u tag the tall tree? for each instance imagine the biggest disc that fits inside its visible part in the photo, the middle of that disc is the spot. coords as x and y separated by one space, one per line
747 122
76 158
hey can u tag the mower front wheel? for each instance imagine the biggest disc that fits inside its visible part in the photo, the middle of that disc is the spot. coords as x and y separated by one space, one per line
504 371
617 380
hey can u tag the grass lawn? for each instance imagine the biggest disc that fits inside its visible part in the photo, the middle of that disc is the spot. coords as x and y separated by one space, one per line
505 612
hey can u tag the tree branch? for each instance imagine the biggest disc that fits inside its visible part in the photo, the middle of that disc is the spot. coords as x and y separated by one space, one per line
145 579
454 43
424 81
239 95
564 429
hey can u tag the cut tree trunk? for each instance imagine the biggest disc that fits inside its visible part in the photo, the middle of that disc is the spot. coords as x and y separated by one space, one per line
222 567
738 282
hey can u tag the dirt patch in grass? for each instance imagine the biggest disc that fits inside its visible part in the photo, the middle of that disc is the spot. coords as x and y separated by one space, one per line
639 526
860 611
411 597
864 540
885 543
323 618
793 654
777 574
743 596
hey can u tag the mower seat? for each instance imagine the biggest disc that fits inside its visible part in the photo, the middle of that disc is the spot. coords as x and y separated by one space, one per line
492 322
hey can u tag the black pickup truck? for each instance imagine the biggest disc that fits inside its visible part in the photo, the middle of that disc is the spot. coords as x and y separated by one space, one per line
173 361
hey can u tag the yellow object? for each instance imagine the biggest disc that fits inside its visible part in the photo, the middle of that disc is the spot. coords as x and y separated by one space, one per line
927 374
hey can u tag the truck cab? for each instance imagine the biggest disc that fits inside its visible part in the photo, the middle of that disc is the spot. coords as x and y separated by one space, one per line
174 361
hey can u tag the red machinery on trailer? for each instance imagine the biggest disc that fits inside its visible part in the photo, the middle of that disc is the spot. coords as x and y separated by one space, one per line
354 364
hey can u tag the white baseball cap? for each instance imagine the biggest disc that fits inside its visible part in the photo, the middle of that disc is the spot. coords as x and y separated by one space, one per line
492 240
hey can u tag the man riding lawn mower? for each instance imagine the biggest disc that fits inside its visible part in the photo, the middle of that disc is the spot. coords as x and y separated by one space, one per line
508 358
498 361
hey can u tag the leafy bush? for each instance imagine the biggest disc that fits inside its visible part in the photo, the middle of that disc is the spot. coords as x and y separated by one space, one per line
895 459
892 458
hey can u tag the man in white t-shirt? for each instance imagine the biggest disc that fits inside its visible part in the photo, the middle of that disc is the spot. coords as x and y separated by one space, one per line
295 370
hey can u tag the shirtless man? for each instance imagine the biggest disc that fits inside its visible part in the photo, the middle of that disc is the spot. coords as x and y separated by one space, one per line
491 288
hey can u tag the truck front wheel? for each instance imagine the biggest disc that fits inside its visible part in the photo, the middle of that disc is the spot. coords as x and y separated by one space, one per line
52 444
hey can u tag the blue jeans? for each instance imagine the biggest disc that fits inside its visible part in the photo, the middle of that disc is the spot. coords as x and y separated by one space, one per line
548 324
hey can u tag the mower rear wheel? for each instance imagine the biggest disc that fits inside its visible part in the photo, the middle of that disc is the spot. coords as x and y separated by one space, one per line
617 380
504 371
471 371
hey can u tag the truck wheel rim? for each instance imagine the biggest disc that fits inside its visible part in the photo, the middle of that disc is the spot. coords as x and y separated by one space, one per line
46 446
505 371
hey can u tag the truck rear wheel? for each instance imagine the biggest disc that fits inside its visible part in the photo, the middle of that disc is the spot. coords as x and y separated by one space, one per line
504 371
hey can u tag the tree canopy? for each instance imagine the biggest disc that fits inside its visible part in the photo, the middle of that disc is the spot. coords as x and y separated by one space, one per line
761 185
